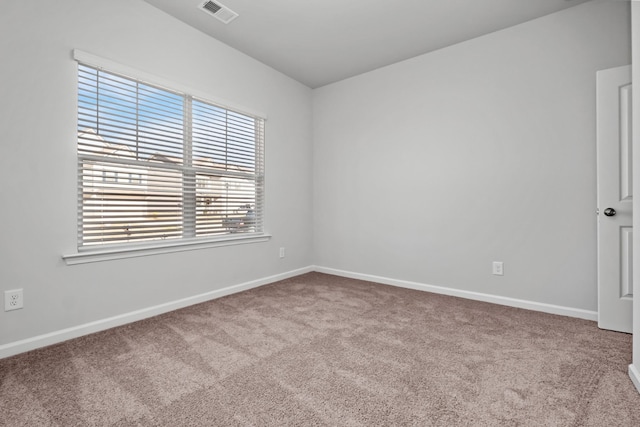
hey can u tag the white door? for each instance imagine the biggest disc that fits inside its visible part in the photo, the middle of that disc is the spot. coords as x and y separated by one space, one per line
615 230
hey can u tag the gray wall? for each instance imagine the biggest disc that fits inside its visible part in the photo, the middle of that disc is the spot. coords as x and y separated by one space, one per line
430 169
38 161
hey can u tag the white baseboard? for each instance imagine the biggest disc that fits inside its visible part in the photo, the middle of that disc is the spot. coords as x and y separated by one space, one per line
56 337
634 374
495 299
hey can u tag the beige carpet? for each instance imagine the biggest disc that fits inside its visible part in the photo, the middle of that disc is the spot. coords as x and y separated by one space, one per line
322 350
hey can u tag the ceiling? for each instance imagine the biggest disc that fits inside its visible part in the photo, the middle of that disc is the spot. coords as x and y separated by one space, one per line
318 42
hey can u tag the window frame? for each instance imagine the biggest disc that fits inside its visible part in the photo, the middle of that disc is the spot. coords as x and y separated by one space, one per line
107 251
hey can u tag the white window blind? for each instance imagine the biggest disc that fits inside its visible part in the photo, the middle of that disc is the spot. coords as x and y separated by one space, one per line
157 164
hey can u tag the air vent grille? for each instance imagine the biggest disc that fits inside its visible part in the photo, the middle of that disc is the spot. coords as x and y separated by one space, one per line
212 7
219 11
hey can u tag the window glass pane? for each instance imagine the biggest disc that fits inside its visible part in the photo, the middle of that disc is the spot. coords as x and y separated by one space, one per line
223 138
225 205
119 116
119 209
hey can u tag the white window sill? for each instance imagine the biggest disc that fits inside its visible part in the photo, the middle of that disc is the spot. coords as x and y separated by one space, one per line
98 254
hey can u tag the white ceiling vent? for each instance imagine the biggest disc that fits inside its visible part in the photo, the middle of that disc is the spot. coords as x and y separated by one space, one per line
221 12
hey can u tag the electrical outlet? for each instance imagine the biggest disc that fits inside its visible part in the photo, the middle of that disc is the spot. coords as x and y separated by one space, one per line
13 300
281 252
498 268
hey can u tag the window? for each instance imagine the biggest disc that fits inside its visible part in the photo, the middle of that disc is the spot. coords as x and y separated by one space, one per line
156 164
